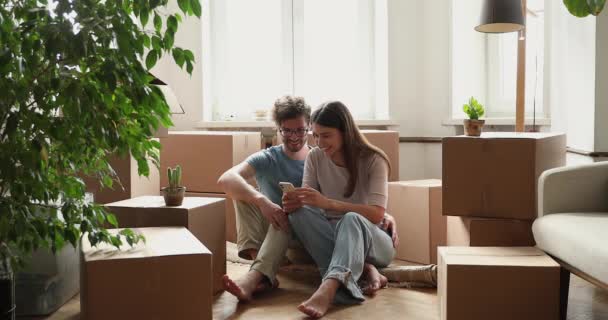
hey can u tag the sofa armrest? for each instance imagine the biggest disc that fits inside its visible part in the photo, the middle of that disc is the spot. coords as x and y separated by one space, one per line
582 188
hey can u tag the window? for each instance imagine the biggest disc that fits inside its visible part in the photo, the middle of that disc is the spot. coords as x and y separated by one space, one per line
485 65
256 51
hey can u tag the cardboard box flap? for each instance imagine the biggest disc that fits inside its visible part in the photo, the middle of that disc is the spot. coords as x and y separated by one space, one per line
514 135
497 256
420 183
212 133
159 242
159 202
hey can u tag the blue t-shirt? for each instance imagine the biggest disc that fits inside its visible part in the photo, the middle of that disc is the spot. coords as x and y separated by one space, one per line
272 166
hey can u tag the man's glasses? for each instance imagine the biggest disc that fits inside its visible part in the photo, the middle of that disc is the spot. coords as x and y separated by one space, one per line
299 132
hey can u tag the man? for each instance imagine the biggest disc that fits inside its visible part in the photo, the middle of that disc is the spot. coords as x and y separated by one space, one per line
262 226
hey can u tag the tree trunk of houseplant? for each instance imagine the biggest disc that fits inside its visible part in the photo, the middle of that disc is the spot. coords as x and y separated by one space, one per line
473 127
7 291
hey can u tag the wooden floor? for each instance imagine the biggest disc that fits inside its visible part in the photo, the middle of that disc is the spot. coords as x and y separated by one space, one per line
586 302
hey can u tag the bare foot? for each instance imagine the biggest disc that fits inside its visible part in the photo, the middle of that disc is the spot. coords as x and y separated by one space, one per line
244 287
317 305
375 281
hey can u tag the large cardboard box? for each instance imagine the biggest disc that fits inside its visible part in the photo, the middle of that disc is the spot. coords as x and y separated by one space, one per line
168 277
386 140
485 232
205 155
496 175
204 217
480 283
129 185
416 206
230 212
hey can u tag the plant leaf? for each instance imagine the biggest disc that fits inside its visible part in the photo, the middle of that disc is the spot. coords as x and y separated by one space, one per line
578 8
596 6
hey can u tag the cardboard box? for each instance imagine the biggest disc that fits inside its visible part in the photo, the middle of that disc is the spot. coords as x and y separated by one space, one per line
480 283
168 277
416 206
204 217
386 140
484 232
133 185
230 212
205 155
496 175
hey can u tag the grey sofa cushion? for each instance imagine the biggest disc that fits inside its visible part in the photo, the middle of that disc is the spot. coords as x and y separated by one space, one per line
579 239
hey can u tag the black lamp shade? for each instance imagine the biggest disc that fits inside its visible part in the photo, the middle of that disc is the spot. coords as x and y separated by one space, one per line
501 16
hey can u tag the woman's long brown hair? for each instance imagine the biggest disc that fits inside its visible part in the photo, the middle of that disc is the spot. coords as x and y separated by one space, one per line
335 114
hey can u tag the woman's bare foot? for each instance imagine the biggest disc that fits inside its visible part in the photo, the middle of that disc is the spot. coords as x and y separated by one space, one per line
317 305
375 281
244 287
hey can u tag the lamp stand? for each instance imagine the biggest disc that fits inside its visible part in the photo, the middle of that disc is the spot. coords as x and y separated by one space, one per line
520 107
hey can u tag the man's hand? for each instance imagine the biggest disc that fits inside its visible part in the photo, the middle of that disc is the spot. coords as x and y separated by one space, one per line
291 203
274 214
389 224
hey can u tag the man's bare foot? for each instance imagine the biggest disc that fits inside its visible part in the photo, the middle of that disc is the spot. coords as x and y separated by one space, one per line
375 281
244 287
317 305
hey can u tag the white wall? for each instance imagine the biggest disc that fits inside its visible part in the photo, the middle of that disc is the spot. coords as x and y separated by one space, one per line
571 74
601 84
419 79
188 89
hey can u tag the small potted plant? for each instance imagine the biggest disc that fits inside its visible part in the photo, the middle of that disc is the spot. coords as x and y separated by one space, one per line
473 125
174 193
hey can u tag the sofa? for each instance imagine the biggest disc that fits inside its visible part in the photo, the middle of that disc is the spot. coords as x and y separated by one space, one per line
572 225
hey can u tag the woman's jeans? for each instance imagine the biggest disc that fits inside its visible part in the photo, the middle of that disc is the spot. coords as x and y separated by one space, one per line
341 249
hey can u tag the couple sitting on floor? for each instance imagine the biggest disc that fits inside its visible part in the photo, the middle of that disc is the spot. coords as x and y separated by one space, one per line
337 215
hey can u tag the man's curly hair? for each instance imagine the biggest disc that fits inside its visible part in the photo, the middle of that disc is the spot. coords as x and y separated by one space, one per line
290 107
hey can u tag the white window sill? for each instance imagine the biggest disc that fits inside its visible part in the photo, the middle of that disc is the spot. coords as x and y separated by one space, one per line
500 121
271 124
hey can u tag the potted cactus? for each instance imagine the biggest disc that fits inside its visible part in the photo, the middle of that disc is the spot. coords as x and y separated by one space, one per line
473 125
174 193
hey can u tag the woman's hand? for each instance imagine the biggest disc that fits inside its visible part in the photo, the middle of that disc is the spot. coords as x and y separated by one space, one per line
291 202
389 224
312 197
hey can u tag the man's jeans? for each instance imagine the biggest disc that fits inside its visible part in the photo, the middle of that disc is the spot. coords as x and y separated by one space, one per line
253 232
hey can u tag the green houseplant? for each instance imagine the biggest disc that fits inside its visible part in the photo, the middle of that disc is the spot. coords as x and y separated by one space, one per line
583 8
75 89
474 110
174 193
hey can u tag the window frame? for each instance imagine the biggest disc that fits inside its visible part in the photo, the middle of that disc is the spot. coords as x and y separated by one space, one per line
380 96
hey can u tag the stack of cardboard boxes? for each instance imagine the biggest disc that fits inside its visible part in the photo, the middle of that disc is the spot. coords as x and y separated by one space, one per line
204 156
490 269
386 140
203 217
489 185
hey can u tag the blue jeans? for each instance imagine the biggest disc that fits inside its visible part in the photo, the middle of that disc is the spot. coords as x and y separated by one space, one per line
341 250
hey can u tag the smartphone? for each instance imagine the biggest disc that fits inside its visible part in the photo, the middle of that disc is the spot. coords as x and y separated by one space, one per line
287 186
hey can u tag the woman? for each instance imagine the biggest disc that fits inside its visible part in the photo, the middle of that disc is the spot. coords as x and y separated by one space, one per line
336 215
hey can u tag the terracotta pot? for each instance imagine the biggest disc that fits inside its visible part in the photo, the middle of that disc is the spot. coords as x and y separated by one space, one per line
173 197
473 127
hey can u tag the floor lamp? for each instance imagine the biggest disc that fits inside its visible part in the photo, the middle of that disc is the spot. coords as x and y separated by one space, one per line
502 16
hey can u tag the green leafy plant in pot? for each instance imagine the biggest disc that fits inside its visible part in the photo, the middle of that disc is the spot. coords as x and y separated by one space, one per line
174 193
74 90
473 125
